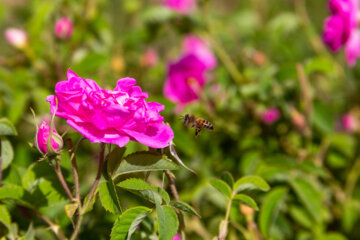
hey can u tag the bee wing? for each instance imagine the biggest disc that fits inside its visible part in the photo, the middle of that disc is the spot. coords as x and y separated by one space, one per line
197 132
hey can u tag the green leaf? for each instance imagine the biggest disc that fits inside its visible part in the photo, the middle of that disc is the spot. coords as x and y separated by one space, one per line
91 205
114 158
30 234
270 208
6 127
245 199
140 187
301 216
168 222
7 153
157 14
144 162
221 186
251 182
183 206
109 198
11 191
308 196
228 178
5 216
124 223
323 117
332 236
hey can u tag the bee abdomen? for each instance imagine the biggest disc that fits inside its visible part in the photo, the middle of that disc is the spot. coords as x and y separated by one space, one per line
208 125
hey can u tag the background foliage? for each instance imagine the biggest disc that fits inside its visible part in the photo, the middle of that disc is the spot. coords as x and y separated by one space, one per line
312 168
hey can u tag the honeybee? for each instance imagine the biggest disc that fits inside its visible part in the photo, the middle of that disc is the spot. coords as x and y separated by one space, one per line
197 123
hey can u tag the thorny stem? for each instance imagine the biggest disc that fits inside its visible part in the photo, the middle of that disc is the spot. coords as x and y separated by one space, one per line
54 227
174 191
57 168
352 178
92 192
75 171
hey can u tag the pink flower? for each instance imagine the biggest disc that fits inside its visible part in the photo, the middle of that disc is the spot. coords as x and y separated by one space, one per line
185 80
270 116
16 37
63 28
177 237
42 136
340 29
181 6
149 58
195 45
110 116
348 122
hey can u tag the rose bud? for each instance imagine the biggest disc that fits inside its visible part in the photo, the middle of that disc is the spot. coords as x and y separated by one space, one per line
41 140
177 237
16 37
63 28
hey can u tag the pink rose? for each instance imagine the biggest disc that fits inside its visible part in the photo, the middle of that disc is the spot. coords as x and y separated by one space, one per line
63 28
340 29
149 58
42 136
185 80
16 37
181 6
270 116
348 122
110 116
197 46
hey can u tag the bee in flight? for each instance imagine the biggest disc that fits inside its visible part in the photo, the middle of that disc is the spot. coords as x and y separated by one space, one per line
198 123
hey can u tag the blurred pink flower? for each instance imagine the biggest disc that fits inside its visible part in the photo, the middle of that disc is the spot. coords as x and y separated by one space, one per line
110 116
149 58
177 237
340 29
63 28
197 46
270 116
185 80
181 6
42 136
16 37
348 122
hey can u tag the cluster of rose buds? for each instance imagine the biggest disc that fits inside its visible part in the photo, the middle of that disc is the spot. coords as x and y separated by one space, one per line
341 28
187 77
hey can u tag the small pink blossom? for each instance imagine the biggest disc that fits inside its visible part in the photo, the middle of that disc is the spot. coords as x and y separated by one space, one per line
185 80
63 28
177 237
340 29
42 136
16 37
149 58
349 122
181 6
270 116
110 116
197 46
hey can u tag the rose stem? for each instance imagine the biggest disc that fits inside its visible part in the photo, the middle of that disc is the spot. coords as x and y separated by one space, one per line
54 227
174 191
60 176
92 191
75 170
0 170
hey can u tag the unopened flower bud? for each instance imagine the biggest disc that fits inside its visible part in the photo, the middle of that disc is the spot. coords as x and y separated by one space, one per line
63 28
297 118
246 210
349 122
177 237
41 140
270 116
16 37
149 58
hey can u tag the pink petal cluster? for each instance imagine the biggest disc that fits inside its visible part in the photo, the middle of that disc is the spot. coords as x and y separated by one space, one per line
340 29
177 237
186 77
63 28
348 122
42 136
110 116
270 116
197 46
181 6
16 37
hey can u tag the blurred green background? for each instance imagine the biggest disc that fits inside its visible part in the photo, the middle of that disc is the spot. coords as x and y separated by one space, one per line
276 45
